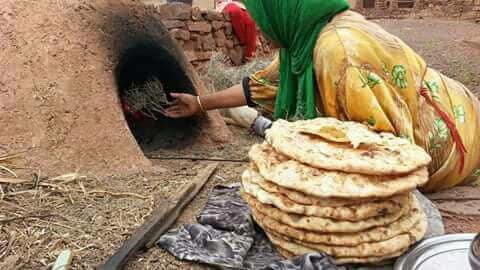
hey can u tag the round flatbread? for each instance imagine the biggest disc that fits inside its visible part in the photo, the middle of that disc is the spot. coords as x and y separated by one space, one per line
294 175
366 152
394 245
340 261
350 213
306 199
323 225
376 234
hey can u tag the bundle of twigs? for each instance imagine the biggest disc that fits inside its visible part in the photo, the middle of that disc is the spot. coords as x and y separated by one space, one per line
148 98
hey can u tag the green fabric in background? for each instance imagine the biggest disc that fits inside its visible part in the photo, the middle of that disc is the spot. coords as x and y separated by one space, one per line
295 26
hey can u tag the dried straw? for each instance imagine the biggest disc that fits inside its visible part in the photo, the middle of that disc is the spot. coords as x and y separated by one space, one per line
149 98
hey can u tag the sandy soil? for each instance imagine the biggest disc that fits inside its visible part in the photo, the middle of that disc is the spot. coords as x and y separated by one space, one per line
93 216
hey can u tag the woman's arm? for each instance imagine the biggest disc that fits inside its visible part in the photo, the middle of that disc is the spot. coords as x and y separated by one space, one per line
186 105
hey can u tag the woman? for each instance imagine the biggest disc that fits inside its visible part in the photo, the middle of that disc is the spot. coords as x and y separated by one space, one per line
243 25
335 63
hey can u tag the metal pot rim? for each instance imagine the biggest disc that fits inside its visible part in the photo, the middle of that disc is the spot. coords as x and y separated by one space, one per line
472 255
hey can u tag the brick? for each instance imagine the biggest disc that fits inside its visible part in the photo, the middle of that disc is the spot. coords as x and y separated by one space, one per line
217 25
212 15
180 34
471 15
194 36
220 42
208 43
169 24
198 44
204 55
189 45
197 14
202 27
176 11
219 34
220 38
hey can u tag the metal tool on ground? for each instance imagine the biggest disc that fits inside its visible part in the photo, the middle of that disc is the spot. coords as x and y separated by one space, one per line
160 221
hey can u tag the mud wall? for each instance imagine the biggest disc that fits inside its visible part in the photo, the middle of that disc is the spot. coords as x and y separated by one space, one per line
452 9
203 32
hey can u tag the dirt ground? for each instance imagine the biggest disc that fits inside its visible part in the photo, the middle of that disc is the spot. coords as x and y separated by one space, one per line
92 216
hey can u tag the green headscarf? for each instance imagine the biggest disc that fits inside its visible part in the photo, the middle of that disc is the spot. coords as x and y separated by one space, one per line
295 26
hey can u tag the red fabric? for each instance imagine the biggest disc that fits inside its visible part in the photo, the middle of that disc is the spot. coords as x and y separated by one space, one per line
244 27
450 124
128 110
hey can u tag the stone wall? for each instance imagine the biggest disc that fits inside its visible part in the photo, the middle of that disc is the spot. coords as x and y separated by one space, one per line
203 32
452 9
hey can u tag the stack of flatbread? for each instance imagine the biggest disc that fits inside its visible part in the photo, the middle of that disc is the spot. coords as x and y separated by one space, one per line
336 187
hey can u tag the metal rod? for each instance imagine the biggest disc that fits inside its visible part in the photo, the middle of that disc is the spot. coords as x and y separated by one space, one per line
199 158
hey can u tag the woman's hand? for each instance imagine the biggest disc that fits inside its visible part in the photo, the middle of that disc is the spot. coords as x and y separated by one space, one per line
185 105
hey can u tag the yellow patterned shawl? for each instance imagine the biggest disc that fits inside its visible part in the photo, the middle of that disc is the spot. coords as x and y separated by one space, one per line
367 75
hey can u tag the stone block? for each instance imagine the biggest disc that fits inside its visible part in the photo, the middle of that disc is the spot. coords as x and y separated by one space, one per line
197 56
218 25
180 34
175 11
470 15
169 24
198 44
202 27
189 45
219 34
202 56
197 14
220 42
213 15
208 42
194 36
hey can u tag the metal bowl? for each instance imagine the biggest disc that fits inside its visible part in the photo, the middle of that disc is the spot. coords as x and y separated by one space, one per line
474 253
446 252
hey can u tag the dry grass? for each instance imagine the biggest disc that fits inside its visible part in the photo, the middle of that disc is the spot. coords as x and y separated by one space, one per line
149 98
219 74
40 217
6 164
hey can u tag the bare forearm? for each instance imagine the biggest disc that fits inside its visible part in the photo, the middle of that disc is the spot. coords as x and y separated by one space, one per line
228 98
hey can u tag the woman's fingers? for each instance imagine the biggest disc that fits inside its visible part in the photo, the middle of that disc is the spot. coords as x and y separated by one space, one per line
173 110
174 114
175 95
